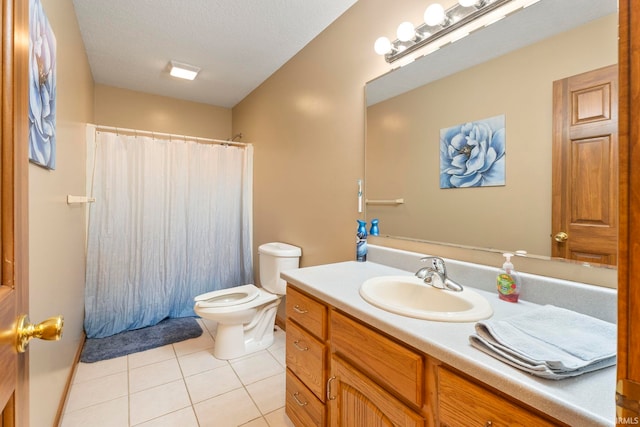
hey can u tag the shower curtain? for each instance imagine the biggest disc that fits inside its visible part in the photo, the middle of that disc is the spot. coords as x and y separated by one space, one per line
171 220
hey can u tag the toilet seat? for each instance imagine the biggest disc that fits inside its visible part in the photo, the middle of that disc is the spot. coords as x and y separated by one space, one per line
228 297
262 298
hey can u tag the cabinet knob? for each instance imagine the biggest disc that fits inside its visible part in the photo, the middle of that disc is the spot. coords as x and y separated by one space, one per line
488 424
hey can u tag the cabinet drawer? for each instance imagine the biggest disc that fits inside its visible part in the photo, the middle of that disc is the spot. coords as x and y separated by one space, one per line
306 357
309 313
385 361
302 407
464 403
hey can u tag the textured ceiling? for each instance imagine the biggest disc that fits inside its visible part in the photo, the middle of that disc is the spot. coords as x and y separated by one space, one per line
237 44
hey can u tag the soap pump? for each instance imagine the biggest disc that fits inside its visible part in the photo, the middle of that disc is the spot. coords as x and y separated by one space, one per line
508 281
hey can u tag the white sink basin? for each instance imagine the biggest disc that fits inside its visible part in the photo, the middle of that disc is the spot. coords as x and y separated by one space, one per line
410 296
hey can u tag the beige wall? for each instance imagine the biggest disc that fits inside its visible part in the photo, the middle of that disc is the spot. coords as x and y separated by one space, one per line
56 230
403 145
136 110
307 125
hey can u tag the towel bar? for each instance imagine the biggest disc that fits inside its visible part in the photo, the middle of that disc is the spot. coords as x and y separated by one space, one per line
385 201
79 199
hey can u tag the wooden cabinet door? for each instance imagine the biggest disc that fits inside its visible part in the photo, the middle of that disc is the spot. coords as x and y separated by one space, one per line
356 401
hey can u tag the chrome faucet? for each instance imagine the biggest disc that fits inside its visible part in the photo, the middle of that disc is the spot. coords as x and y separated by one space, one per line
439 270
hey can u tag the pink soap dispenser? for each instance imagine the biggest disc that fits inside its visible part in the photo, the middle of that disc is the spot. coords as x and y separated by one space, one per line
508 281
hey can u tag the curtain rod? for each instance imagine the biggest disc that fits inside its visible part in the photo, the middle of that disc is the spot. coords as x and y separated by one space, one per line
170 135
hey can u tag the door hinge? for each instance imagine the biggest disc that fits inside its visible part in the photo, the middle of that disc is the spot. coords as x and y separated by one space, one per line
627 398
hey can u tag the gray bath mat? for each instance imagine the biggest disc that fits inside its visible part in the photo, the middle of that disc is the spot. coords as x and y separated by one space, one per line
166 332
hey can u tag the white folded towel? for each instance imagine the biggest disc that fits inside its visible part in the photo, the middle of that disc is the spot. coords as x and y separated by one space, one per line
549 342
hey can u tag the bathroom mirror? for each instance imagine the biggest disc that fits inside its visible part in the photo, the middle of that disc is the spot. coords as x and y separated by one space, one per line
506 69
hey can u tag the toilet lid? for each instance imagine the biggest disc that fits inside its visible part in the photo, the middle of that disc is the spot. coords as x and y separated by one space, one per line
228 297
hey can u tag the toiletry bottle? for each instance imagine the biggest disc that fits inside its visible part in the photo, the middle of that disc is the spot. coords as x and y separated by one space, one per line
361 241
508 281
374 231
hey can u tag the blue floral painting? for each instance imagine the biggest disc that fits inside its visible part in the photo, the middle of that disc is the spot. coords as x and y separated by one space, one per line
473 154
42 88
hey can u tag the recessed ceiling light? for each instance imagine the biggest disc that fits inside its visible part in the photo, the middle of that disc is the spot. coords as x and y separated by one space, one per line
183 71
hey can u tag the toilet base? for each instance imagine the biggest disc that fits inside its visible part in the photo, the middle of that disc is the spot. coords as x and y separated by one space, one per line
233 344
237 340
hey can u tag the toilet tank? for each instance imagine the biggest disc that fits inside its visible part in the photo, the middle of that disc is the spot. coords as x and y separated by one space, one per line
274 258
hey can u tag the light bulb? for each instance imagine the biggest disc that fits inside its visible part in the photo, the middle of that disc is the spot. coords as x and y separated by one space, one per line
382 46
434 15
406 32
467 3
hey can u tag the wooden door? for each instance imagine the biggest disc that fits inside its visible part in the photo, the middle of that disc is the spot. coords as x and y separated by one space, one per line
628 385
13 210
585 167
356 401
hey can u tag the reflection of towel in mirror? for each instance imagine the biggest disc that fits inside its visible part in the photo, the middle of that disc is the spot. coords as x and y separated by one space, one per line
549 342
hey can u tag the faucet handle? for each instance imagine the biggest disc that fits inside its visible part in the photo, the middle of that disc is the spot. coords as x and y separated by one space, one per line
438 268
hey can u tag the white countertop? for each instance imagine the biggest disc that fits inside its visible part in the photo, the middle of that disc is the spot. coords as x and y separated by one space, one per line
586 400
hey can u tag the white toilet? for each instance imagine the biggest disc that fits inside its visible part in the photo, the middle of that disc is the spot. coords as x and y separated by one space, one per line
246 314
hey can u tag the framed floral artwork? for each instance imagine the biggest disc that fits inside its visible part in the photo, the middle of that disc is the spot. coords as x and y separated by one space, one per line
472 154
42 88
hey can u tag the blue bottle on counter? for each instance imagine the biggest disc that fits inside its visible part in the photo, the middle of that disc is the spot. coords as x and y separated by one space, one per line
361 241
374 231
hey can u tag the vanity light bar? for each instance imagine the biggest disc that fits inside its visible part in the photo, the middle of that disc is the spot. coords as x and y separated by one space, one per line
456 17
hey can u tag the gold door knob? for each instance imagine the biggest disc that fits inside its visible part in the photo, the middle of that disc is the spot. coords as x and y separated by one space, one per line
561 237
50 329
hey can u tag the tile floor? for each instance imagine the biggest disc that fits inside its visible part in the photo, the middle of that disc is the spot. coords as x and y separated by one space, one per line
181 385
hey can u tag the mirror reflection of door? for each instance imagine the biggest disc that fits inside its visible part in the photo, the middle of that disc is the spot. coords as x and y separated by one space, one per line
585 167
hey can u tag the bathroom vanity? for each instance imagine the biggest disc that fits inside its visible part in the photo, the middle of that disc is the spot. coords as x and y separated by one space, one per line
350 363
